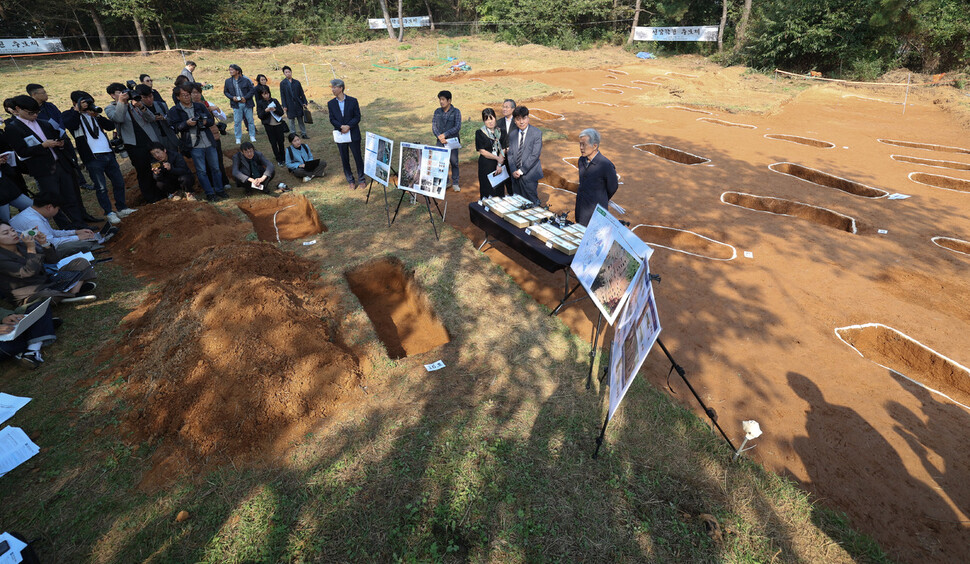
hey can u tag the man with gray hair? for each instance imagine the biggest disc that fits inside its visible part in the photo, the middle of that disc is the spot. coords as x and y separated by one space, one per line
506 123
345 118
597 177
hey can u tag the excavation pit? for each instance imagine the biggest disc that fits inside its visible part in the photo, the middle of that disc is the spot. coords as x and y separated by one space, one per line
646 83
397 307
617 71
687 242
614 85
828 180
951 244
954 165
671 154
680 74
608 90
727 123
802 141
925 146
598 103
910 359
545 115
687 109
940 181
288 217
779 206
556 180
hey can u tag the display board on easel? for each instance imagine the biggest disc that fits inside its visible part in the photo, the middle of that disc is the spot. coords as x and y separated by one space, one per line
637 328
377 157
423 169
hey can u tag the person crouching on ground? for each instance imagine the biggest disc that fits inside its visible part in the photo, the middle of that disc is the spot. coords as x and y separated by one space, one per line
298 156
172 176
24 279
66 242
26 346
252 170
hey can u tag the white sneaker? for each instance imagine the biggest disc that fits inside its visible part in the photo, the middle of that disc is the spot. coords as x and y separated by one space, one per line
238 140
113 218
456 188
252 138
308 178
126 212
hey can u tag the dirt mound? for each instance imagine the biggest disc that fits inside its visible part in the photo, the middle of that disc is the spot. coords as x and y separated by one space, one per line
232 359
288 217
165 236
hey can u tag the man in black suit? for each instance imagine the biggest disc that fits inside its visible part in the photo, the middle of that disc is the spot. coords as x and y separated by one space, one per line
525 149
40 148
597 177
345 117
506 123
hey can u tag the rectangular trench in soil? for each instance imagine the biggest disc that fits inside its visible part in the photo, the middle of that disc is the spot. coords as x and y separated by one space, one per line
397 307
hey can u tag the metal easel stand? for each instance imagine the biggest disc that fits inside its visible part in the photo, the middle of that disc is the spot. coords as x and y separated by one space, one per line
427 200
387 206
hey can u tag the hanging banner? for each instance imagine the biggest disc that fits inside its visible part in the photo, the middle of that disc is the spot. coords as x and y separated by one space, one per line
30 45
608 259
637 329
418 21
692 33
423 169
377 157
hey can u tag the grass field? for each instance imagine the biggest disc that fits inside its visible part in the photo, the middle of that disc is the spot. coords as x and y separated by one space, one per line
487 460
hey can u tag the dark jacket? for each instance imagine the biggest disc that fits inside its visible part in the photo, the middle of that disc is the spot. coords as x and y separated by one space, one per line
293 98
72 123
178 117
500 123
49 111
22 274
240 166
37 160
264 115
350 115
597 184
247 88
179 166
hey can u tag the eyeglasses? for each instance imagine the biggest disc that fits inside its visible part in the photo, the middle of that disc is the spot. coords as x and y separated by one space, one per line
148 80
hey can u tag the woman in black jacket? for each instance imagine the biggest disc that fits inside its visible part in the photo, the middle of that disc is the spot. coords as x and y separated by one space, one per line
270 112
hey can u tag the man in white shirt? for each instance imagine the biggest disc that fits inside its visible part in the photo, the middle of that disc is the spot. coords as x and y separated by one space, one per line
66 242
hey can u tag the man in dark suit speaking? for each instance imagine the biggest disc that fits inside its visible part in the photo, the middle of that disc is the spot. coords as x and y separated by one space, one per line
345 118
597 177
525 147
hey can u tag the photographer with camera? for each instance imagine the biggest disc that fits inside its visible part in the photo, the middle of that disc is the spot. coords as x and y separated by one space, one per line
218 129
132 120
166 135
193 121
171 173
89 129
40 151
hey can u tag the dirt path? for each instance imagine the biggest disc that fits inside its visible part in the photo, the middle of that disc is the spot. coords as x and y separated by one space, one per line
757 335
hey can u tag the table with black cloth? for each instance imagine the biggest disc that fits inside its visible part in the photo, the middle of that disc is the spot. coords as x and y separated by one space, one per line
497 229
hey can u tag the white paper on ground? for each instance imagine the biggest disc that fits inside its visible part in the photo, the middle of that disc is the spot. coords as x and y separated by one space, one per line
86 256
14 554
496 179
27 321
897 197
341 137
748 254
9 405
308 243
15 448
452 143
882 231
437 365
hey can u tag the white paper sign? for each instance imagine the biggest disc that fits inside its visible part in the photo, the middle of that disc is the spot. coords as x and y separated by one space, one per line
637 329
377 157
437 365
31 45
423 169
502 176
418 21
689 33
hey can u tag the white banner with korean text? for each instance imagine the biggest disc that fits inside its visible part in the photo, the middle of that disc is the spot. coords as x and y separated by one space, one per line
418 21
689 33
29 45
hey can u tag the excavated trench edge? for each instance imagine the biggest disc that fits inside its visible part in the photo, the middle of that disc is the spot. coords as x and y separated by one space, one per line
598 103
882 193
965 244
734 251
672 73
908 338
958 181
615 85
929 162
686 109
871 99
853 227
924 146
561 117
817 143
647 82
608 90
701 161
727 123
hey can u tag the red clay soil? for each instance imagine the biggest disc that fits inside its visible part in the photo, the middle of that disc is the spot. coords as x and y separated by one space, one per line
756 335
163 237
398 308
235 357
291 216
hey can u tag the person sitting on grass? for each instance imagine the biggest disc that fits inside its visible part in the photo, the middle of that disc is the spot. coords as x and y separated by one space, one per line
66 242
24 279
299 157
252 170
26 346
172 176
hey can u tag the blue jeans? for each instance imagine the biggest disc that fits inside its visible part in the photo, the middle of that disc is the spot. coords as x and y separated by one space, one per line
237 117
105 164
207 168
22 202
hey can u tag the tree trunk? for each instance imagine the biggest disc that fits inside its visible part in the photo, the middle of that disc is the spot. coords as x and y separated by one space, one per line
100 28
83 33
400 20
720 28
141 35
743 26
430 17
164 37
636 20
387 18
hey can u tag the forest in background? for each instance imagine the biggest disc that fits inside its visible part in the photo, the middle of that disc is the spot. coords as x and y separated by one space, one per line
855 39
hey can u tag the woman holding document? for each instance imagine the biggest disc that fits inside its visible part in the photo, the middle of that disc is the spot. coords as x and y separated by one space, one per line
270 112
489 141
